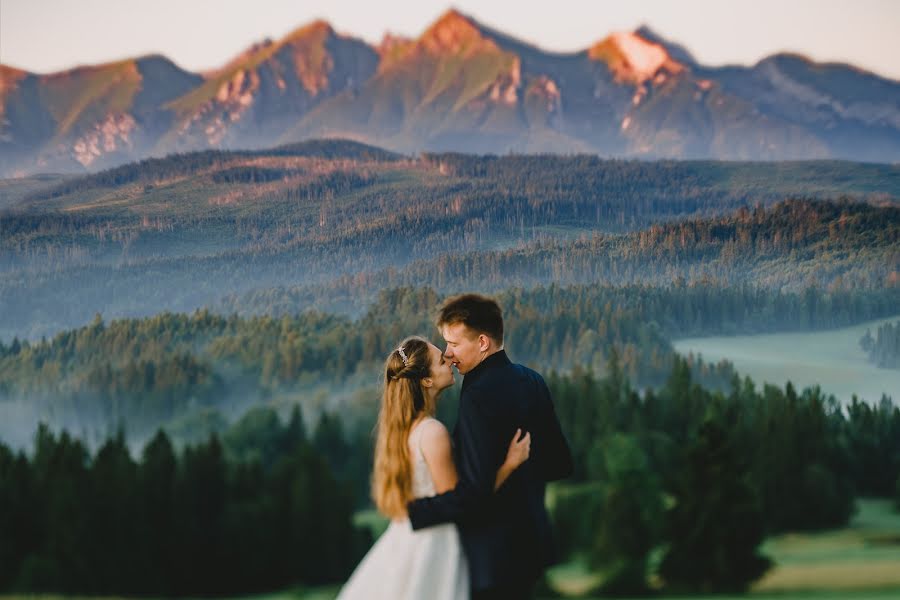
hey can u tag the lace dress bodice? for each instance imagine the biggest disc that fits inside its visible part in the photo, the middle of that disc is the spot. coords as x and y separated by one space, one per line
422 483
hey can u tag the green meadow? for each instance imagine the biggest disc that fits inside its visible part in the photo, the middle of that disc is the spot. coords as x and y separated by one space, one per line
856 562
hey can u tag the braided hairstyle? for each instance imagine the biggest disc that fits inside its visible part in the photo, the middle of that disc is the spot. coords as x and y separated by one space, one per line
403 403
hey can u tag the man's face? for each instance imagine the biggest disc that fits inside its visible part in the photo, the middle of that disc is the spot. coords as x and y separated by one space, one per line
465 348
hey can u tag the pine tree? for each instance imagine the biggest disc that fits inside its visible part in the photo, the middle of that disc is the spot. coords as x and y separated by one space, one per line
630 517
716 525
157 517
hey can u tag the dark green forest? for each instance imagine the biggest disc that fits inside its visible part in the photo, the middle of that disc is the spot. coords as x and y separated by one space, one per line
257 510
268 505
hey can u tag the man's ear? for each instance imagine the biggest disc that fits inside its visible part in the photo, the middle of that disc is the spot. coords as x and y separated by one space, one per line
484 342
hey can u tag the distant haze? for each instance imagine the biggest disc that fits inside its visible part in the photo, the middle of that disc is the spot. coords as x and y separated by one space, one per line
831 359
50 35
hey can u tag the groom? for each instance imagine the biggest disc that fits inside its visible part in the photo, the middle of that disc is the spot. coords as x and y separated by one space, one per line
506 535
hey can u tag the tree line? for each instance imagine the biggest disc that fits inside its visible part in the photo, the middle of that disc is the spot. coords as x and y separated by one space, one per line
708 474
152 370
883 349
259 509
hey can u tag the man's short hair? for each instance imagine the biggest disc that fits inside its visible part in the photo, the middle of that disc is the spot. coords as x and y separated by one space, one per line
479 313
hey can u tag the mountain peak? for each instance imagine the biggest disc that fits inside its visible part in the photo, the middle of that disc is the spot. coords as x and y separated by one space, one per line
319 27
393 46
455 18
676 51
8 73
452 32
789 58
632 58
156 61
9 77
312 33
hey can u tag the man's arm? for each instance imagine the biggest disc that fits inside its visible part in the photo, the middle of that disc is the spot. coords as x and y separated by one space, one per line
479 456
555 459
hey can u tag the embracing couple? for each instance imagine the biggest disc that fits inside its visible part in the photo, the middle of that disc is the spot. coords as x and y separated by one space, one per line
467 512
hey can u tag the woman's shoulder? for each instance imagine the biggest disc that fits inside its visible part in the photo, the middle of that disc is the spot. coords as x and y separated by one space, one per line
426 428
430 427
434 434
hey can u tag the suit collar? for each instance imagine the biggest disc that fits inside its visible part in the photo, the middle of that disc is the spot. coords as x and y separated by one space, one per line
497 359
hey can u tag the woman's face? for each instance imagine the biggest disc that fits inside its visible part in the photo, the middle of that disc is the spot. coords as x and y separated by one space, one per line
441 373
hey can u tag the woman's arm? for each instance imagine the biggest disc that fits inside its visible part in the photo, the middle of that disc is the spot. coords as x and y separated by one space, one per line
438 452
518 452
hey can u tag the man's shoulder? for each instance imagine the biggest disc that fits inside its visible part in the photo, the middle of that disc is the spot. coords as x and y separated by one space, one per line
504 376
528 372
531 376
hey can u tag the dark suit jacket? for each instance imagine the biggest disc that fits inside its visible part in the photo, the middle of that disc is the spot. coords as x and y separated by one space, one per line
506 535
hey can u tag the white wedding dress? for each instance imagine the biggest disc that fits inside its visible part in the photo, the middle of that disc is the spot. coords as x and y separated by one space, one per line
428 564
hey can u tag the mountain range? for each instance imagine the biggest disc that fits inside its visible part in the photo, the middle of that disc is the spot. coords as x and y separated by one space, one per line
460 86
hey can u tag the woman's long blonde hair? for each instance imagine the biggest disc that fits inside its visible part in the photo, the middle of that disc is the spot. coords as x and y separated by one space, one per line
402 404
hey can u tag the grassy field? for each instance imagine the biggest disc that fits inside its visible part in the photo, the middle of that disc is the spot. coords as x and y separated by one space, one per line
858 562
832 359
865 555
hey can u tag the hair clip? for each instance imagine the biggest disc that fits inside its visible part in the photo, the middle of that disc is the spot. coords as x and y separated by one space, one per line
403 356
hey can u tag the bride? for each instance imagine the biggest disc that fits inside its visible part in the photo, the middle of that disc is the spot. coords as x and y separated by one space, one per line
413 459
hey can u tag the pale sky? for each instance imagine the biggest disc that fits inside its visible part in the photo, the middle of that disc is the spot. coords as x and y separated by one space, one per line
50 35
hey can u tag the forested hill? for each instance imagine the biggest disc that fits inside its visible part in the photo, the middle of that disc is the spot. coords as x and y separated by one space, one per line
225 166
579 179
207 368
334 222
794 244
